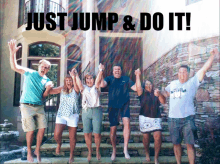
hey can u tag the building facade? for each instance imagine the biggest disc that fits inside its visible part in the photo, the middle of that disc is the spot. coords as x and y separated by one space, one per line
157 53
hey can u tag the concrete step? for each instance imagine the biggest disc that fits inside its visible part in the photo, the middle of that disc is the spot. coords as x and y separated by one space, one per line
135 150
135 137
104 160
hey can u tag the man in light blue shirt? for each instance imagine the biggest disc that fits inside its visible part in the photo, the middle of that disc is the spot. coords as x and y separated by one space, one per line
32 109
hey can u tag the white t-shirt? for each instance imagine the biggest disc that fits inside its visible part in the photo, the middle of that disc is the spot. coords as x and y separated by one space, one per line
90 97
181 97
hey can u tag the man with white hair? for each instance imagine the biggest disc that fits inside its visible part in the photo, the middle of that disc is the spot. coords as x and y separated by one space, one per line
32 109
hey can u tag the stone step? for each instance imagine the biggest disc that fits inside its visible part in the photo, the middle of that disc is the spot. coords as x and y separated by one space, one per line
134 126
135 137
133 101
131 94
135 149
104 160
134 117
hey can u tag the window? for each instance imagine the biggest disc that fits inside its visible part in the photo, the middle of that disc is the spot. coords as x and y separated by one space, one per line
17 84
49 51
44 49
74 6
74 58
21 13
42 6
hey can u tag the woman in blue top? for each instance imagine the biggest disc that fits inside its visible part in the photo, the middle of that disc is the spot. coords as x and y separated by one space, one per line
68 113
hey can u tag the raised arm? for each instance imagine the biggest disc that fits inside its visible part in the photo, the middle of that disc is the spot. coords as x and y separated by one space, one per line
73 74
103 83
78 81
139 89
208 64
99 76
13 62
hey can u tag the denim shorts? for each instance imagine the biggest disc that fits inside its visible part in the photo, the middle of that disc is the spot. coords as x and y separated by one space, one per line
183 127
92 120
115 113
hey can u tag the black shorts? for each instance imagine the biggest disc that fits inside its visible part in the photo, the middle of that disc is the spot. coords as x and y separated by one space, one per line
115 113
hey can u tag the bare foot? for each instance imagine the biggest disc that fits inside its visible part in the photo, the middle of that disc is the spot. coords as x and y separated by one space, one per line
30 157
89 157
38 156
156 161
98 156
147 157
58 149
113 156
127 156
71 160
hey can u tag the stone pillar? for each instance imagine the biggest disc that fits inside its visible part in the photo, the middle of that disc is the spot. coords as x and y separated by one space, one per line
90 38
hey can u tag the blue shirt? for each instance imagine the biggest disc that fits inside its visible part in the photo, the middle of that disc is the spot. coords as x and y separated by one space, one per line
118 90
33 87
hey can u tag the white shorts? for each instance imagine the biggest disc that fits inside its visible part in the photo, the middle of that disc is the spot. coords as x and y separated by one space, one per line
71 121
148 124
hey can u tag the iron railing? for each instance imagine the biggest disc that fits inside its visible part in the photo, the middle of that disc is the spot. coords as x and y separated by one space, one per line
42 6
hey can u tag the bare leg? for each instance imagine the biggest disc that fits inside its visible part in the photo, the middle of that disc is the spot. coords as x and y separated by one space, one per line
29 138
126 134
40 135
97 142
146 143
157 145
178 152
113 130
58 136
88 138
72 137
191 153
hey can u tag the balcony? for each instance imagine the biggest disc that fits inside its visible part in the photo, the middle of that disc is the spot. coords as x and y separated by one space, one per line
39 6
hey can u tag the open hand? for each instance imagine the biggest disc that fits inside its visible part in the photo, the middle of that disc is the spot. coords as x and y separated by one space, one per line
12 46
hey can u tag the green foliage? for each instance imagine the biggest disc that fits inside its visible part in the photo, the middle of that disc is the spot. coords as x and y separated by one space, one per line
44 49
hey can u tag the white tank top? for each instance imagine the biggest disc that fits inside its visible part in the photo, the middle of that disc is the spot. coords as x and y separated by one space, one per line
90 97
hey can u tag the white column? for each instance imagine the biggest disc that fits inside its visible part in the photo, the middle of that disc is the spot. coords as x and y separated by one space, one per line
90 38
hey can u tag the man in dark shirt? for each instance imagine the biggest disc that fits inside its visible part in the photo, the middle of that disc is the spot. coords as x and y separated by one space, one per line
150 117
119 100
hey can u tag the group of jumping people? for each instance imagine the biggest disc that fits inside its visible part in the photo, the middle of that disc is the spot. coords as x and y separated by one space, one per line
181 118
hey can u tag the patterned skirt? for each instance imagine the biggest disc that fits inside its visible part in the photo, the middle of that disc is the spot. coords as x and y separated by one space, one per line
148 124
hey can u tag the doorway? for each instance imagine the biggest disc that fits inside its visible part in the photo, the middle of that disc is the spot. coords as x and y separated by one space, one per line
124 51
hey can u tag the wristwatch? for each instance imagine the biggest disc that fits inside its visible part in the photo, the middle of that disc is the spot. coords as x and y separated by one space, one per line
101 70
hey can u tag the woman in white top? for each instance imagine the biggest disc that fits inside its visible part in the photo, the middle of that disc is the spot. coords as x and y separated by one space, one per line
91 112
68 113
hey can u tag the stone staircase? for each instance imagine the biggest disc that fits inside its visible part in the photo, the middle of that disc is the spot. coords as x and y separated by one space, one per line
135 147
